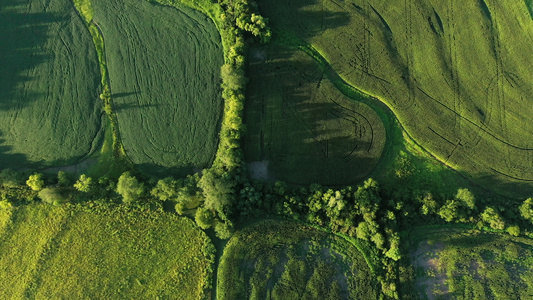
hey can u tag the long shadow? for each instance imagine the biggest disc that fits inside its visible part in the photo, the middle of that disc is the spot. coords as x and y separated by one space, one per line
158 171
305 22
14 159
122 95
295 122
22 36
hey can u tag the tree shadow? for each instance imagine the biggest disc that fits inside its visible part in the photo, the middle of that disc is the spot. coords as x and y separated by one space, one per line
159 171
23 34
310 18
10 160
307 129
124 94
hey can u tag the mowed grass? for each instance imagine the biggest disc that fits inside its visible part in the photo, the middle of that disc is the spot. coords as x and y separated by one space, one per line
457 263
301 128
164 65
455 73
50 114
285 260
66 252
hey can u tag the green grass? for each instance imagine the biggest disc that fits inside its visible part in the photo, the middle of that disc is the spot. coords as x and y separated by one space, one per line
164 66
303 126
468 264
286 260
462 99
50 114
67 252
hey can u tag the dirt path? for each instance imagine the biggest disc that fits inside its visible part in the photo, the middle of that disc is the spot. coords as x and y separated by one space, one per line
433 282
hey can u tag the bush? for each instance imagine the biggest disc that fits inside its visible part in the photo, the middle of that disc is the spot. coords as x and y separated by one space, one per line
36 182
129 188
84 184
204 218
51 196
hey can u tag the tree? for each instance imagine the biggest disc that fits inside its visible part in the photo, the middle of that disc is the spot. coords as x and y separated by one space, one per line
84 184
63 179
466 197
449 211
204 218
36 182
362 231
513 230
491 217
218 191
166 189
129 188
526 210
232 78
224 230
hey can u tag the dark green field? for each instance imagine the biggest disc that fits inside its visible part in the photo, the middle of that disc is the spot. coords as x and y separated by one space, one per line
285 260
468 264
455 73
50 114
164 67
300 128
49 252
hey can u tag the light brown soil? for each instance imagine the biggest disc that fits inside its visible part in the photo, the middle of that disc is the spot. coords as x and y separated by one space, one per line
426 257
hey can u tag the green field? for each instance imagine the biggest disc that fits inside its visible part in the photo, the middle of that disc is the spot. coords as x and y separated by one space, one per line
300 128
454 73
284 260
164 67
468 264
49 252
50 114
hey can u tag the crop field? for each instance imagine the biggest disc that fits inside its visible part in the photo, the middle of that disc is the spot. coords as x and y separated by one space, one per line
285 260
455 73
300 128
50 114
49 252
467 264
164 65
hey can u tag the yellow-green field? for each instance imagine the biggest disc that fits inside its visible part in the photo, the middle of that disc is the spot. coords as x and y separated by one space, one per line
455 73
66 252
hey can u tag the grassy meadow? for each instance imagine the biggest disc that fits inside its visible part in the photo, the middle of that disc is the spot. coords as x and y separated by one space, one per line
286 260
164 65
51 252
50 114
456 263
301 128
454 73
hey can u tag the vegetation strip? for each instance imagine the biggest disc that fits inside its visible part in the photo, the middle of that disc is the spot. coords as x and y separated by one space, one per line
118 251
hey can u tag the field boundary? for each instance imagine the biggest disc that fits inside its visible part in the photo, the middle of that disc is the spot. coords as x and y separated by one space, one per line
384 111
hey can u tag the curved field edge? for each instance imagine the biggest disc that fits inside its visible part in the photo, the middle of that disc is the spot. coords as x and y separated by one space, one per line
486 173
50 112
458 262
262 257
300 127
168 103
102 252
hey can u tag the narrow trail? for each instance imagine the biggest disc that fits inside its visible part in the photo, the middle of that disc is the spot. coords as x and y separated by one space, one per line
97 35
